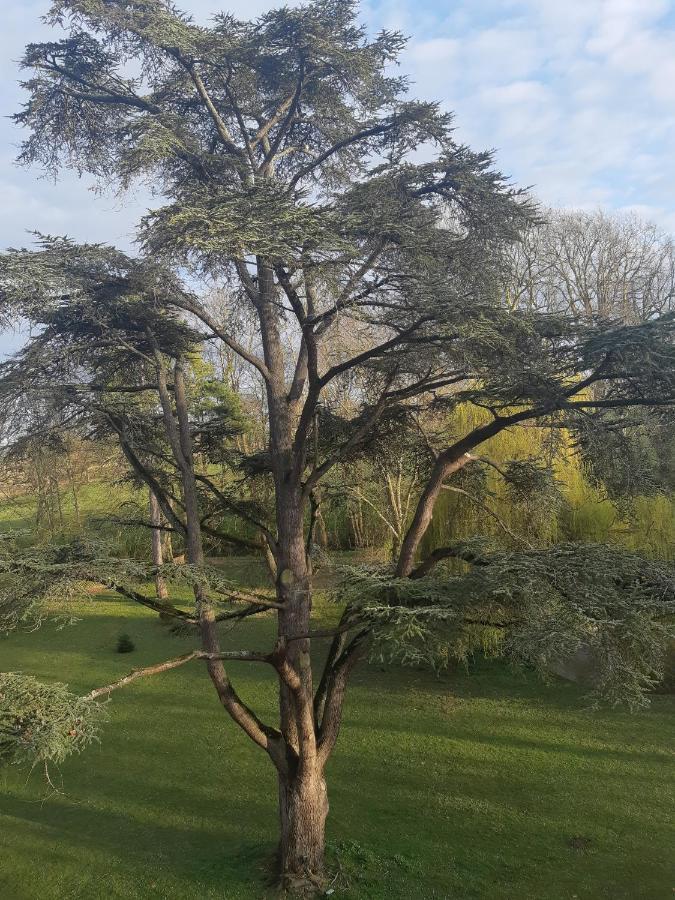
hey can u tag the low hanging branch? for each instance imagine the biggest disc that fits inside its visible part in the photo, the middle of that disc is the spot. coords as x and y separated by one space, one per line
167 665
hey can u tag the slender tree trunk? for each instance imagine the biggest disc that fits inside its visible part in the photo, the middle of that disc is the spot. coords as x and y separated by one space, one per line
167 546
445 467
73 489
396 546
157 550
54 482
323 531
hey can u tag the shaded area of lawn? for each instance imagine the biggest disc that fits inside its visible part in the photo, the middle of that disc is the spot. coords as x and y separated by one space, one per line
488 785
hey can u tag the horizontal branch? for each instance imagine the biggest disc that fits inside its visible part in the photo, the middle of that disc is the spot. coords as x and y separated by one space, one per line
372 352
380 128
230 538
441 553
238 655
235 507
244 597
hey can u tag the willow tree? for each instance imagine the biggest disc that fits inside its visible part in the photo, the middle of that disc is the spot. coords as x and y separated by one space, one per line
366 244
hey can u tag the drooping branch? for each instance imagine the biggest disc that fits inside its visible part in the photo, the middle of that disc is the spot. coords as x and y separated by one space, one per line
236 508
147 476
229 537
502 524
160 606
456 551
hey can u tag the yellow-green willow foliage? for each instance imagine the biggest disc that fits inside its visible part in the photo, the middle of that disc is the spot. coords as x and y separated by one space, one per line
578 510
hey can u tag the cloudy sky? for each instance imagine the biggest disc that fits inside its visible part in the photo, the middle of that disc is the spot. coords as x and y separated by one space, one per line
577 97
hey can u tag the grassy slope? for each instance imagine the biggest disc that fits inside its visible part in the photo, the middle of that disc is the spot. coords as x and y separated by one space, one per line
459 787
97 502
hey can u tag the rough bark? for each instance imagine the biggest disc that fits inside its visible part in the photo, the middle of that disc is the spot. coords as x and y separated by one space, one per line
303 799
303 808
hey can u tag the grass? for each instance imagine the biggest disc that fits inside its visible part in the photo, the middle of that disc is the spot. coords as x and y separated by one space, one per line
97 501
480 785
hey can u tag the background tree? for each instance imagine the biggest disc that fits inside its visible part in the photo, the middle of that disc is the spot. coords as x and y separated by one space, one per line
290 160
612 265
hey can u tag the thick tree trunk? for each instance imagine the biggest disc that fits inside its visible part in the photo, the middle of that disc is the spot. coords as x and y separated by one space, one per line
293 590
303 800
303 807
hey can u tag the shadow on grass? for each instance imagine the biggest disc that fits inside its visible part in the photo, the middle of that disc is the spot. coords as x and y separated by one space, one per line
476 781
209 856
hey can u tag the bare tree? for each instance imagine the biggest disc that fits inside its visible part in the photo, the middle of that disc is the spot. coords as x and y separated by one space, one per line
594 264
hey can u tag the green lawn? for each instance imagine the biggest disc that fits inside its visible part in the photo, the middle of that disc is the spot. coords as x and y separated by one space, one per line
486 785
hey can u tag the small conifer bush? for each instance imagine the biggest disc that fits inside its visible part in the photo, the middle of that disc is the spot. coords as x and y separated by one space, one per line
125 644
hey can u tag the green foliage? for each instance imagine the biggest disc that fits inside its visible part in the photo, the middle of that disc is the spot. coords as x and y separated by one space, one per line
49 581
538 608
643 523
37 580
257 220
43 722
547 492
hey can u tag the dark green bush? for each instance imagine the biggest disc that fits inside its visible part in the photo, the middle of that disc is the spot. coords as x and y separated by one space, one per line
125 644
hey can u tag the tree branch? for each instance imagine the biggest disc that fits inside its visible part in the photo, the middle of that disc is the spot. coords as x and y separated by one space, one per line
237 655
382 128
198 310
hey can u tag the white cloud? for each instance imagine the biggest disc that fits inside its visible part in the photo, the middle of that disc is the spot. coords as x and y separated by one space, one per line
576 96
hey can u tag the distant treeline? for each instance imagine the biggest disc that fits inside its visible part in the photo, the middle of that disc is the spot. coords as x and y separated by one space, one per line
62 492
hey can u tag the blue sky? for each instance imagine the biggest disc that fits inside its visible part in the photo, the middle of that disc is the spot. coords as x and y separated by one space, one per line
577 97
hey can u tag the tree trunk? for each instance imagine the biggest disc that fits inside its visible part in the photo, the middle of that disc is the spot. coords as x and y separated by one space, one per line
303 807
303 801
157 550
446 465
293 590
167 546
